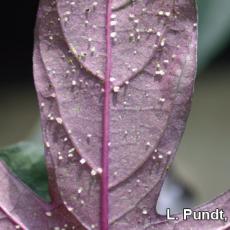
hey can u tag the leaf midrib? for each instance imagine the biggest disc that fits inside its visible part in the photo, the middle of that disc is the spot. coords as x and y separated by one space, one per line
106 118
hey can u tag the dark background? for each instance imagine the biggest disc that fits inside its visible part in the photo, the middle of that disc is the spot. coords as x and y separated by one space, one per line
17 41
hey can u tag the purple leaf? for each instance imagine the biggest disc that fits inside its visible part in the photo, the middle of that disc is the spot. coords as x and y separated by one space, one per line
114 82
20 208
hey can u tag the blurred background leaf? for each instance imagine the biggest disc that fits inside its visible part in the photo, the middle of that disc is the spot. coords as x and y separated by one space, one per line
27 162
214 29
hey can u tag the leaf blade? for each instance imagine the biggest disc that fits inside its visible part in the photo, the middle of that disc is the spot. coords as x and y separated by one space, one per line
60 96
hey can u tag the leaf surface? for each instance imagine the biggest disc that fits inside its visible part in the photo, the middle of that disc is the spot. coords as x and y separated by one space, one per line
20 208
152 73
114 81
